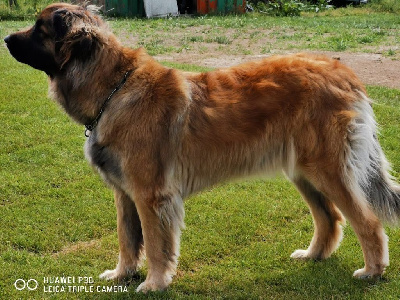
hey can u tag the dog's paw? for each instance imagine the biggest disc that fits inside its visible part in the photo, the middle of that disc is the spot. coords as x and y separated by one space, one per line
112 275
365 274
119 273
301 254
148 286
154 284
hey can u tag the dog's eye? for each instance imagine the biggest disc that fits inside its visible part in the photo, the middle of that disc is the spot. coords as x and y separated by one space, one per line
39 31
43 32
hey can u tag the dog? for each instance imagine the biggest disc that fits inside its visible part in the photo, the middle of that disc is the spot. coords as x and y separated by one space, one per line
157 135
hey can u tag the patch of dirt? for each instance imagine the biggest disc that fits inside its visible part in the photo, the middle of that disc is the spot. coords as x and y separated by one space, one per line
373 69
79 246
216 45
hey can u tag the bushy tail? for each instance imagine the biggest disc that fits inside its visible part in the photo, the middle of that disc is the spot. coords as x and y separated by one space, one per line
384 197
367 167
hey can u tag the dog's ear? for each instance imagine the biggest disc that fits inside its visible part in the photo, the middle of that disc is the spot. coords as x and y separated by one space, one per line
60 24
75 36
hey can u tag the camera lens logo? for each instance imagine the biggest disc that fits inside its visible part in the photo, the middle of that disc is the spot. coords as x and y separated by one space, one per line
21 284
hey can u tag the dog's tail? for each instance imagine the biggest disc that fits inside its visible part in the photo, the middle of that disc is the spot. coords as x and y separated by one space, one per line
367 170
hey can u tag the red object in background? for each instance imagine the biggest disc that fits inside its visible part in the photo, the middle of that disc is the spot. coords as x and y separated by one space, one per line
206 6
220 6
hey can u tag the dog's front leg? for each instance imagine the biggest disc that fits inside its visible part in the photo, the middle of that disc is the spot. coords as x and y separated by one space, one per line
129 236
162 220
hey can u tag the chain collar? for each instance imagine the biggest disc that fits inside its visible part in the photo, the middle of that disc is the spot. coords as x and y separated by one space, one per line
90 127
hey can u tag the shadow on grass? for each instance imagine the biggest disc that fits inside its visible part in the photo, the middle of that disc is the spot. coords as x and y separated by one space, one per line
305 280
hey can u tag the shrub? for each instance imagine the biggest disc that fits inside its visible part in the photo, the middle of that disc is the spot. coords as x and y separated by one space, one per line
23 9
391 6
288 7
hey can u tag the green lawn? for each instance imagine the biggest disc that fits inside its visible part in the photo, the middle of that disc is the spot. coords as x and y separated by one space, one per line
352 30
57 218
258 34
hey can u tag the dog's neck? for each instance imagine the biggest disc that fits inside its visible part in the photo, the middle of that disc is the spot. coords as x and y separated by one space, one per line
73 88
90 127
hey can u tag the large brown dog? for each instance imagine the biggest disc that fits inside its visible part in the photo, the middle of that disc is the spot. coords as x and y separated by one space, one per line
157 135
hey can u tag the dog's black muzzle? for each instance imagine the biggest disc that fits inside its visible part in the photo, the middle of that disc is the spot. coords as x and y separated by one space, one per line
31 52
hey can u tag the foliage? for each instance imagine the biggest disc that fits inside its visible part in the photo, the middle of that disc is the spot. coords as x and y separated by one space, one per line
290 7
391 6
296 7
282 8
26 9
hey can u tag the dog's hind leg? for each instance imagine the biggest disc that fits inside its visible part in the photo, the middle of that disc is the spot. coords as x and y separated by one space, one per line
129 236
162 220
327 222
367 226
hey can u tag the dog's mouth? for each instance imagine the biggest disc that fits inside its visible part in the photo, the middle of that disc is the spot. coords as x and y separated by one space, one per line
15 48
30 53
12 45
8 41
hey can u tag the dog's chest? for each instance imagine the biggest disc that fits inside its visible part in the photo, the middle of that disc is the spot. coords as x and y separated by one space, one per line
104 160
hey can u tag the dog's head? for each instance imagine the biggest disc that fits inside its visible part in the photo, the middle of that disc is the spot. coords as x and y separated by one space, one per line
62 33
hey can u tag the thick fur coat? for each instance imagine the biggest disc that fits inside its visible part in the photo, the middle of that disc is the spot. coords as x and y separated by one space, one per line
166 134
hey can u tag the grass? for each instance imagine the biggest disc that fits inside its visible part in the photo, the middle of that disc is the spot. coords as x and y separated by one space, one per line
351 29
369 32
57 218
26 9
385 5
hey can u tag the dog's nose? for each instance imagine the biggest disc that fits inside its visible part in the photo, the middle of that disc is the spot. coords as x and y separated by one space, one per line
7 39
